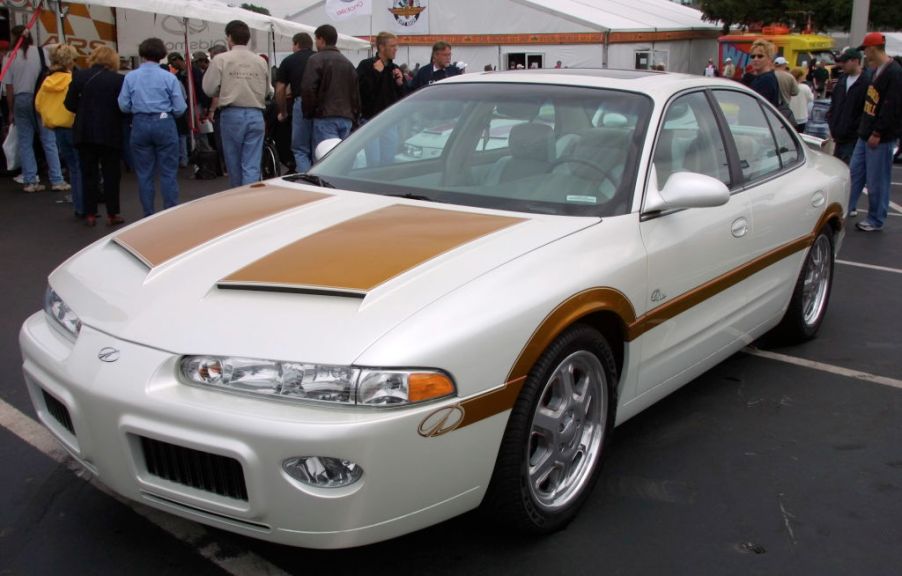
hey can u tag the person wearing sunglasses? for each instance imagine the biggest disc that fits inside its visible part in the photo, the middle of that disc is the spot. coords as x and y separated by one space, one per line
765 82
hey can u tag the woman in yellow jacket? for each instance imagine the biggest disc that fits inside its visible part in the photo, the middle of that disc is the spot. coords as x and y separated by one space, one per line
49 104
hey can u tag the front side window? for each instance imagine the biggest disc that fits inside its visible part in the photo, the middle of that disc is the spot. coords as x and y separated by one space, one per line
527 147
689 141
755 144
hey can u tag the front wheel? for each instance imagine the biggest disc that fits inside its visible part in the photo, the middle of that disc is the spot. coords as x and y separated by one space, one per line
808 305
552 448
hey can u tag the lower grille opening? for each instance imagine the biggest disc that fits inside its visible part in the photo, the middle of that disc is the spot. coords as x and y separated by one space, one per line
209 472
59 412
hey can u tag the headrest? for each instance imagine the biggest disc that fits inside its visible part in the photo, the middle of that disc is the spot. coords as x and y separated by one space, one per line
532 141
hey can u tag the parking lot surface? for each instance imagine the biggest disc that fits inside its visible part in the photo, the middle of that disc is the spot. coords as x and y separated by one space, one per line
782 460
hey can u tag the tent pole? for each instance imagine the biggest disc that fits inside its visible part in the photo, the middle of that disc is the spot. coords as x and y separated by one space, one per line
192 124
605 39
60 31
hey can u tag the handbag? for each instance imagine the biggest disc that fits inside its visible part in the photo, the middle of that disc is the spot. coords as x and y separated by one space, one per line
11 149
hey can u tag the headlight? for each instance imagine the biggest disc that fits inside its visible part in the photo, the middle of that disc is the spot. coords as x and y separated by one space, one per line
64 317
316 382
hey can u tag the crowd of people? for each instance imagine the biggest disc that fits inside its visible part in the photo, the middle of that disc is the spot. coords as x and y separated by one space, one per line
865 115
92 121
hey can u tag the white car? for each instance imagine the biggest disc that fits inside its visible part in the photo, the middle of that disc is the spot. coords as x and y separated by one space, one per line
337 358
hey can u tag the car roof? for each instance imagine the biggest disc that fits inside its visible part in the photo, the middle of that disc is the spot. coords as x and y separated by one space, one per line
659 85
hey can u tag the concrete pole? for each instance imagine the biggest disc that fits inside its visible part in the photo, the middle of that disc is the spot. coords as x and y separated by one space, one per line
860 11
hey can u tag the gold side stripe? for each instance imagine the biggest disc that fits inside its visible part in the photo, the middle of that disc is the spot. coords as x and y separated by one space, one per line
175 232
362 253
607 299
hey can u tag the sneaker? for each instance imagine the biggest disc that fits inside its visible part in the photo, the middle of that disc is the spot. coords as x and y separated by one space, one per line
61 187
853 213
866 226
20 179
33 187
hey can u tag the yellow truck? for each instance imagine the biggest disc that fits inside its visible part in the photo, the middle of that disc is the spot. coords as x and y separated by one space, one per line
798 49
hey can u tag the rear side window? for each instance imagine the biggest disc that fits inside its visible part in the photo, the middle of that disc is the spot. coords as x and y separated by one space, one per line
787 144
751 131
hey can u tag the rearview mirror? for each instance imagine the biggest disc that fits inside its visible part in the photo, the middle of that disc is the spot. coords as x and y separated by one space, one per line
687 190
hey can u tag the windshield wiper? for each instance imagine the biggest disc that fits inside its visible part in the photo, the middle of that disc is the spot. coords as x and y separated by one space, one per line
414 197
311 178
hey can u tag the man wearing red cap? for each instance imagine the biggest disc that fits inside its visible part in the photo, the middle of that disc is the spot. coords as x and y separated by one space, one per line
872 160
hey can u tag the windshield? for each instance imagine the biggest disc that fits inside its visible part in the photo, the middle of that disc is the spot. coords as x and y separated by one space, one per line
526 147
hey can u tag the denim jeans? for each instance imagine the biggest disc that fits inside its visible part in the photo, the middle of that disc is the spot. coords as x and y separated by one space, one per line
155 150
301 138
27 123
242 143
330 127
69 156
874 168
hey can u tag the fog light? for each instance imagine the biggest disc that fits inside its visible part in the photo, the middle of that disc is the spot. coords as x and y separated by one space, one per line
322 471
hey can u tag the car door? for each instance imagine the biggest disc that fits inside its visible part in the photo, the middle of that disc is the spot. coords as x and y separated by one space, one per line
785 200
692 315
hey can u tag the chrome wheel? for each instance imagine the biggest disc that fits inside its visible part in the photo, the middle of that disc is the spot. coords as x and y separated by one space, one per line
816 282
567 430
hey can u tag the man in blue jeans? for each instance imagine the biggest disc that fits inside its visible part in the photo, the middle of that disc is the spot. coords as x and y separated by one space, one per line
872 160
240 80
289 76
154 98
329 93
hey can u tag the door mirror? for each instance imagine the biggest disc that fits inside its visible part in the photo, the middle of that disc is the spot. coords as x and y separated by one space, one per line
687 190
324 148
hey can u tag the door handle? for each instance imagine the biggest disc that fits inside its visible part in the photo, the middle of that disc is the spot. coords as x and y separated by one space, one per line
818 199
739 228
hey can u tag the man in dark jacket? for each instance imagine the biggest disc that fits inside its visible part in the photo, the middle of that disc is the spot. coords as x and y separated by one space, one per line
289 77
872 159
847 104
440 68
329 93
381 84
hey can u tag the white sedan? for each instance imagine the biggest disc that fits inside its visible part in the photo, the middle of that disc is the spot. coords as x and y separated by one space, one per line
337 358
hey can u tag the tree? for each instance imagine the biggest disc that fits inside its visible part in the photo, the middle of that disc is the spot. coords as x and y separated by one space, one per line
257 9
825 14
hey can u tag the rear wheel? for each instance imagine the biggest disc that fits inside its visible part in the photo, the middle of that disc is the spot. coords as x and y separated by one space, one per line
808 305
552 449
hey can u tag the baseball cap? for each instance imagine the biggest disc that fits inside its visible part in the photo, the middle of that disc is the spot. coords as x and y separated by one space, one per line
728 59
200 56
173 56
780 61
873 39
849 54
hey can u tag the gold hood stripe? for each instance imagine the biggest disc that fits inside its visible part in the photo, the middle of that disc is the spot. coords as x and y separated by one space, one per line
357 255
175 232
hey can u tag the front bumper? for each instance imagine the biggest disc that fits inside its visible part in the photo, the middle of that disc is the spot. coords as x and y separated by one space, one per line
110 415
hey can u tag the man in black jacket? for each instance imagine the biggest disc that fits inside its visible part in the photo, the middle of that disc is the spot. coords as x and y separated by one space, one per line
381 84
290 74
440 67
847 104
872 159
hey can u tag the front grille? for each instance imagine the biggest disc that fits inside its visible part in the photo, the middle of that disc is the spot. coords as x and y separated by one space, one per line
59 412
209 472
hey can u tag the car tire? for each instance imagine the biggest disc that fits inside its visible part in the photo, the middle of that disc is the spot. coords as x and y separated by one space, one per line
551 453
811 295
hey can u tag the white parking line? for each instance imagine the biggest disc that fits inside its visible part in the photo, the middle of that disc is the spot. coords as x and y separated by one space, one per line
36 435
870 266
858 375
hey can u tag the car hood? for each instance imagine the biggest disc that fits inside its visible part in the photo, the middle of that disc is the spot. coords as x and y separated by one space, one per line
287 271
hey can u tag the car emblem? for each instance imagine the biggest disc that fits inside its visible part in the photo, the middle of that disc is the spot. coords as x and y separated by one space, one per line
108 354
441 421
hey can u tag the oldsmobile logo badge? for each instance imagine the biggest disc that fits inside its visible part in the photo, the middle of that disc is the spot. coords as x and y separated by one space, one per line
441 421
406 12
108 354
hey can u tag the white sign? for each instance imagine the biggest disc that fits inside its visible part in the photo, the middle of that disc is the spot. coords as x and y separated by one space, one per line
410 16
339 10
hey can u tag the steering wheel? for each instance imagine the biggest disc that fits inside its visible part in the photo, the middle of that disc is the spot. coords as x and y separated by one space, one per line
577 160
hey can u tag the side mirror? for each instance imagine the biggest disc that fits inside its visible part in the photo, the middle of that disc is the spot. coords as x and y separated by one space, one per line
687 190
324 148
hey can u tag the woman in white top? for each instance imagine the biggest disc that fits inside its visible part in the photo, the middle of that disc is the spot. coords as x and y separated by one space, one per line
801 103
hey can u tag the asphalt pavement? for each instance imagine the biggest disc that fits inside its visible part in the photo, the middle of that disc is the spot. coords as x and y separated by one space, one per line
785 464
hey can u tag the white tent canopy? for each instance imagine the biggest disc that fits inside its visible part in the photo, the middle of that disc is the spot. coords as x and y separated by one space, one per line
625 15
894 43
212 11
